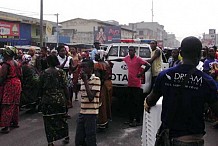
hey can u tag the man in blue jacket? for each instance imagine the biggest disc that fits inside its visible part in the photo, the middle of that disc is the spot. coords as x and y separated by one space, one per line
185 90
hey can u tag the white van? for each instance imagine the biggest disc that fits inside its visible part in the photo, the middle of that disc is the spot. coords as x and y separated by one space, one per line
119 71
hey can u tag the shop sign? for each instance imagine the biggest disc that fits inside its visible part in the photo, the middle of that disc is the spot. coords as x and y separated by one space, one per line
9 29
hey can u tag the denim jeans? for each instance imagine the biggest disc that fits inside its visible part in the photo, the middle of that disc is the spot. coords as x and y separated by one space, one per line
176 142
86 130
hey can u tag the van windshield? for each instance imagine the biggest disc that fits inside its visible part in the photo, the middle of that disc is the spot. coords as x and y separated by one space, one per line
145 52
113 51
123 51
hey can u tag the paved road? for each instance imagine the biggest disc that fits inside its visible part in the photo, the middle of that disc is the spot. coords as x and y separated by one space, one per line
31 132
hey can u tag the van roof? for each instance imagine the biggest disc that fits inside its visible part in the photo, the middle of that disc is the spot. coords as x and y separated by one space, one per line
129 44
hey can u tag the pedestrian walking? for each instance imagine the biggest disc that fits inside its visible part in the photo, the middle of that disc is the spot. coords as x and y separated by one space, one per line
94 51
90 92
30 85
66 63
54 93
210 67
41 61
175 58
75 74
185 90
103 69
10 75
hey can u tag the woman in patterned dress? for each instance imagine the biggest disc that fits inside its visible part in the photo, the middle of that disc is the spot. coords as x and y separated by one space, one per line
10 75
30 85
54 93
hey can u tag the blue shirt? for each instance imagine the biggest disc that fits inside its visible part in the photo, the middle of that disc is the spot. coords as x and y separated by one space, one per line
199 90
208 64
94 51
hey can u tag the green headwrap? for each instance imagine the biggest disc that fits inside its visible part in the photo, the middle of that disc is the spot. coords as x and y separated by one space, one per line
10 51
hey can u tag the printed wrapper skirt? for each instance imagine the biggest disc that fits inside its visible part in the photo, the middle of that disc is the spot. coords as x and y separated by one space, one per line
56 127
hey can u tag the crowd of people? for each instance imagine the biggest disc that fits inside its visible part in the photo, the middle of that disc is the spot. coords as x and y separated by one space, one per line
48 82
51 79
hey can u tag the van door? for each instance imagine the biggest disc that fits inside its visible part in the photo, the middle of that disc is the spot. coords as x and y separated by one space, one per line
165 63
145 53
119 70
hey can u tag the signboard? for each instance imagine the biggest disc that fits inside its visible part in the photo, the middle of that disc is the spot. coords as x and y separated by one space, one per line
48 29
212 34
9 29
212 31
107 34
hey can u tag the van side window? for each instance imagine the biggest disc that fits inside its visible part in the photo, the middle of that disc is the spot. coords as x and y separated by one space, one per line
144 52
113 51
123 51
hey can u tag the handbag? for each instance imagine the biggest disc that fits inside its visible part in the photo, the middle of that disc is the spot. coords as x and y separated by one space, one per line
163 134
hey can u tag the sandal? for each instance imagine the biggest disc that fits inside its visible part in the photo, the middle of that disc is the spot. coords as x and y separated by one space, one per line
66 140
5 130
14 125
50 144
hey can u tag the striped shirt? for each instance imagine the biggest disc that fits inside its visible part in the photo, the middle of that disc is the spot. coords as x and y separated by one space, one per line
90 107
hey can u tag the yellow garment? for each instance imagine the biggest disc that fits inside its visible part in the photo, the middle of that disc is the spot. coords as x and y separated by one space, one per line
156 65
180 57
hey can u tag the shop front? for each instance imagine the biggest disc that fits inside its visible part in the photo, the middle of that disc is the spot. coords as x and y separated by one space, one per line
14 33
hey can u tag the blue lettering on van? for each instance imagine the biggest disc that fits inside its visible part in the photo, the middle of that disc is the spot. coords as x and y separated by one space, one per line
119 77
124 67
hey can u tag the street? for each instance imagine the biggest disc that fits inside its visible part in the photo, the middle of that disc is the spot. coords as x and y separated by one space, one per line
31 131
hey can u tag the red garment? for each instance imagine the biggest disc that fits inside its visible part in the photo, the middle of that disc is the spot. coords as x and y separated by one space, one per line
76 75
9 115
134 68
109 67
10 96
12 85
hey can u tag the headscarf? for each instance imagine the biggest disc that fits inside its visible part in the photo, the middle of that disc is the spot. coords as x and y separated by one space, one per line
26 58
10 51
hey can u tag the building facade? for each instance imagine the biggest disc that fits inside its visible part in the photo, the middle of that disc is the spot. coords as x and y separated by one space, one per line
22 30
89 30
153 31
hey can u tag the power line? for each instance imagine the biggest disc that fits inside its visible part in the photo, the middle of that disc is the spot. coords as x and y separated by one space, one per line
25 13
16 10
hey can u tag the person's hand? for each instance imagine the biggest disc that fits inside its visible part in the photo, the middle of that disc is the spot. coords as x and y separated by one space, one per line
139 75
147 108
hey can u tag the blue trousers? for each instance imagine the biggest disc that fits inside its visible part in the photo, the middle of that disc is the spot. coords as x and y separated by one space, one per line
86 130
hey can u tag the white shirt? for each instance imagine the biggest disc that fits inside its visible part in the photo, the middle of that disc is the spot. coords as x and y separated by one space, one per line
61 61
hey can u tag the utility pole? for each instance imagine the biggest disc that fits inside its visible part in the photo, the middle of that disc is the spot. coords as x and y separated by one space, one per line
57 30
41 23
152 11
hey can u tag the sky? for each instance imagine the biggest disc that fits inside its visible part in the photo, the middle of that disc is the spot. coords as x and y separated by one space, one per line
180 17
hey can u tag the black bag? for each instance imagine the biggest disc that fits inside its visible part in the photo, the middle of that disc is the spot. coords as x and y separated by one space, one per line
162 137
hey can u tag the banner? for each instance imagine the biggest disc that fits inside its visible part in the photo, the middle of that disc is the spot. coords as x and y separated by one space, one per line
212 33
49 29
9 29
107 34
